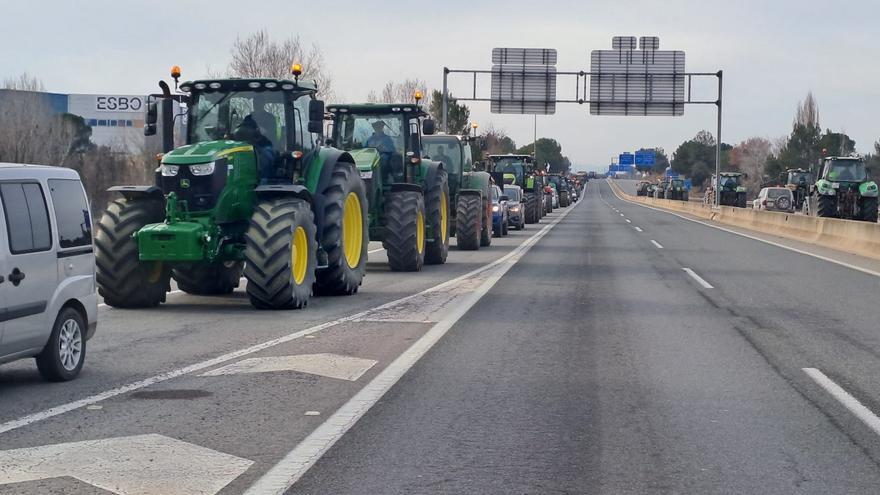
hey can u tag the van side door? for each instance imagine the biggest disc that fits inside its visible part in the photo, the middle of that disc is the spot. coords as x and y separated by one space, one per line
30 270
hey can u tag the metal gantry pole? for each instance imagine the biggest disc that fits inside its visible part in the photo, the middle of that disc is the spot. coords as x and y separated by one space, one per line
445 101
718 143
535 147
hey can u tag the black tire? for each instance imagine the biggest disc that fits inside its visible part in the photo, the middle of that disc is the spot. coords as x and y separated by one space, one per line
827 206
740 200
564 200
468 219
783 203
57 362
488 224
437 199
530 209
685 196
123 280
268 252
402 211
868 208
209 279
342 277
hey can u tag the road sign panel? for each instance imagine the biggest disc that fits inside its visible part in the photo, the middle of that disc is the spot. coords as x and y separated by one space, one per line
626 159
524 56
523 89
644 158
623 42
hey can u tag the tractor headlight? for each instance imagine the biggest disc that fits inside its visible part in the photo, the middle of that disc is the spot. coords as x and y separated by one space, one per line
496 208
514 209
202 169
169 170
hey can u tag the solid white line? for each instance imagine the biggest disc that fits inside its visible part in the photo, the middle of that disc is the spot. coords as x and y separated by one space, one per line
851 403
299 460
375 250
638 229
747 236
124 389
656 244
699 279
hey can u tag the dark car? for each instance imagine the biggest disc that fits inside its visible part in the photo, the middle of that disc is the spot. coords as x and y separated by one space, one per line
515 207
642 188
500 213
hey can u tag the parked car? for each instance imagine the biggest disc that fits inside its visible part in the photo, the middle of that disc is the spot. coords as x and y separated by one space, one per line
555 194
500 212
515 206
47 269
774 199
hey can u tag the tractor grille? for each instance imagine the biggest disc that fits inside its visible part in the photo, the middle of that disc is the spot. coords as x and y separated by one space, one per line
199 192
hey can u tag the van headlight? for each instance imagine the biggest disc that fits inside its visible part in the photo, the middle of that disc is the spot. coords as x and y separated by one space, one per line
202 169
169 170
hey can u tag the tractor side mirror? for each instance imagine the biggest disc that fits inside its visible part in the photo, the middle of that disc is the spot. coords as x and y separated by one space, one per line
316 116
152 117
428 127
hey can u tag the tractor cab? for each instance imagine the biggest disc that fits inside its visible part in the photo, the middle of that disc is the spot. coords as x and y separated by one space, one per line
844 169
798 178
518 166
730 181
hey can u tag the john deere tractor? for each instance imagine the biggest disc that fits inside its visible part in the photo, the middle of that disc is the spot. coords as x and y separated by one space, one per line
252 192
408 193
522 168
843 191
730 189
469 189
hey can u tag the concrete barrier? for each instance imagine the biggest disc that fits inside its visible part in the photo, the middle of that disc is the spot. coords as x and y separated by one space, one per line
861 238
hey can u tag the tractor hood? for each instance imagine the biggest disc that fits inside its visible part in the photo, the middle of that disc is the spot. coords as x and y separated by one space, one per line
365 158
204 152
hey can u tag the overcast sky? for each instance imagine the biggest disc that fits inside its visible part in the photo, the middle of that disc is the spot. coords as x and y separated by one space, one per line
772 52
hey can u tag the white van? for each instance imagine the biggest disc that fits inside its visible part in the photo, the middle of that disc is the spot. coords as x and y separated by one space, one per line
48 303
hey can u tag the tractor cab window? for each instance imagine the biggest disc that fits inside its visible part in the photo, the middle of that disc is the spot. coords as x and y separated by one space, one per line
446 151
845 170
381 132
510 166
305 141
255 117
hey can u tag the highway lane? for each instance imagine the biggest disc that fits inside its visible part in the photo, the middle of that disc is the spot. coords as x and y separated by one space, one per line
623 373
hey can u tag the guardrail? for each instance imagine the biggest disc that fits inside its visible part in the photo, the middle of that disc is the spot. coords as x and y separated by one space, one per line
861 238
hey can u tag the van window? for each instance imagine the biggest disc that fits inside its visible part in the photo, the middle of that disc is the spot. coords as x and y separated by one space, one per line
71 213
27 220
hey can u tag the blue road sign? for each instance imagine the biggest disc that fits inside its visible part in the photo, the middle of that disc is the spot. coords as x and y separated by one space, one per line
626 159
645 157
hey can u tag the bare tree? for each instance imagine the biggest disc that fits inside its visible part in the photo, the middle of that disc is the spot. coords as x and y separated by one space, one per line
808 112
750 156
258 55
399 92
24 82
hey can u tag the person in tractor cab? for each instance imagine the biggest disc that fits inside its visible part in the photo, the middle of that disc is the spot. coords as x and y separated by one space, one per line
379 140
249 132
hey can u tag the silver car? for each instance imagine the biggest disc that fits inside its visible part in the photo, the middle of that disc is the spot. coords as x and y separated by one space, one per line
774 199
48 303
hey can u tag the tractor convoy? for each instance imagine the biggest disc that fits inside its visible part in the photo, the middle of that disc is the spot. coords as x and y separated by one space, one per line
256 192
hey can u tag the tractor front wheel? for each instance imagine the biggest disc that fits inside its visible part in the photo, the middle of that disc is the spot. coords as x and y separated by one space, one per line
827 206
209 279
468 222
405 231
437 207
281 254
345 233
123 280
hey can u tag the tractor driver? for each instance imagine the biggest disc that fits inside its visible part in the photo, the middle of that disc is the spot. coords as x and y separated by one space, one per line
379 140
249 132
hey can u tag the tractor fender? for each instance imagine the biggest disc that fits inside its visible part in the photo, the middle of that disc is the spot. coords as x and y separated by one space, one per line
432 168
295 190
479 181
132 192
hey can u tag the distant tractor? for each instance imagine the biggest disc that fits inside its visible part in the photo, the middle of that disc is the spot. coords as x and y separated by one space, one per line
409 197
731 191
468 187
252 193
676 190
798 181
843 191
563 189
522 168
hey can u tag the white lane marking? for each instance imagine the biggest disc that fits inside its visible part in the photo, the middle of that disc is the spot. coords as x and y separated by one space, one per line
656 244
638 229
230 356
299 460
375 250
848 401
628 220
140 464
621 214
324 364
765 241
699 279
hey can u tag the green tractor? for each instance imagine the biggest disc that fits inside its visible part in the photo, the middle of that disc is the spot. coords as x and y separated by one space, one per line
843 191
470 189
251 193
676 190
520 171
731 191
409 194
563 189
798 181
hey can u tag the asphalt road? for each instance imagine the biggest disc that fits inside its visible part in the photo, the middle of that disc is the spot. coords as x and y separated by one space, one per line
583 358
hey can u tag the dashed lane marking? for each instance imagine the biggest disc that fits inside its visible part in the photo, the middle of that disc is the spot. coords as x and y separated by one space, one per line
699 279
656 244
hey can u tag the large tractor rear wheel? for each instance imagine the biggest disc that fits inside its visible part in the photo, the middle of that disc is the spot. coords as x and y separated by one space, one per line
827 206
405 231
740 200
345 233
563 199
486 232
209 279
123 280
468 219
437 208
281 254
530 209
868 207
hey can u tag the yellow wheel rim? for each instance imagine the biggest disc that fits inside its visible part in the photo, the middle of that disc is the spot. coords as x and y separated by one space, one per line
299 255
352 230
444 223
155 272
420 232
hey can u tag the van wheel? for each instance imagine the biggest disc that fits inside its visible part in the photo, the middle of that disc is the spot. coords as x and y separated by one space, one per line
64 354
